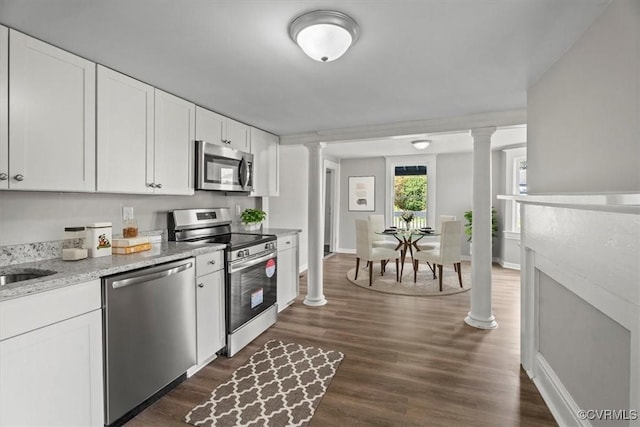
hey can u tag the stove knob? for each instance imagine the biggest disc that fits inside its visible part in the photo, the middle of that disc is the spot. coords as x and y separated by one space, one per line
246 252
240 254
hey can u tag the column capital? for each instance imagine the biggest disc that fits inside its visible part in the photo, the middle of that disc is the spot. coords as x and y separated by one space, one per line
482 133
315 145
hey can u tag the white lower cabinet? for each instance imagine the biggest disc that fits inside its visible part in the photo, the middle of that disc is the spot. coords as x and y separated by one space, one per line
51 374
210 311
288 282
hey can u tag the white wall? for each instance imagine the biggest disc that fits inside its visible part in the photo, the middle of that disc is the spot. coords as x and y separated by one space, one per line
584 114
28 216
584 137
358 167
291 208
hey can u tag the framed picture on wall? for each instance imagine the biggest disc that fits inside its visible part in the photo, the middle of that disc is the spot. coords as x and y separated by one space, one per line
362 193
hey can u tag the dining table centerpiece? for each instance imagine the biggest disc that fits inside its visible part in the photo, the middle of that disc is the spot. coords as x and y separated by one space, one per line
407 217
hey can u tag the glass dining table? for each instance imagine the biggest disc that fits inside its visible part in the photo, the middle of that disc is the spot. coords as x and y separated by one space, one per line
407 241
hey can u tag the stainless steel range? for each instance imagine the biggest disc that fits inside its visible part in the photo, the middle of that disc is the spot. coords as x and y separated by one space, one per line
251 273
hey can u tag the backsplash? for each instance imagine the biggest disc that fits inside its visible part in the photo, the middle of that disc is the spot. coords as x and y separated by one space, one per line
38 251
30 217
29 252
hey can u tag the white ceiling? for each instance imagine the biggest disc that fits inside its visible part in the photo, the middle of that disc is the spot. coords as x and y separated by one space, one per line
414 60
449 142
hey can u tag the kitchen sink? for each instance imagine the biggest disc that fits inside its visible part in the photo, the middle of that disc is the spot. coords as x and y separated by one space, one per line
20 276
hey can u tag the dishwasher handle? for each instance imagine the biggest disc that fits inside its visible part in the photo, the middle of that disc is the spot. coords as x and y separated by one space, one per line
151 276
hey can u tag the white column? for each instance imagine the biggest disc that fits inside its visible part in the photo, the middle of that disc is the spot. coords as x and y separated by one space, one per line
481 315
315 296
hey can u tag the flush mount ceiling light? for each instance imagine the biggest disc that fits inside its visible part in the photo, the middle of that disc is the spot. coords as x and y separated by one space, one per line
421 144
324 35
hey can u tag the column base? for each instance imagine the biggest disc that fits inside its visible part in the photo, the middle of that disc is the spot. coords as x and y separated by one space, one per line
314 302
480 323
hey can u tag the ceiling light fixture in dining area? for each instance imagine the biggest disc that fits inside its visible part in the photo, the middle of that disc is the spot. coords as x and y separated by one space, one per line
324 35
421 144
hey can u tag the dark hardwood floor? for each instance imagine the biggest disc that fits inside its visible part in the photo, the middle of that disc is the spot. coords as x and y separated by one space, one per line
409 361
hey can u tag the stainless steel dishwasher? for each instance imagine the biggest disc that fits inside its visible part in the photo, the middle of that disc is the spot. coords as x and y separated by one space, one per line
149 334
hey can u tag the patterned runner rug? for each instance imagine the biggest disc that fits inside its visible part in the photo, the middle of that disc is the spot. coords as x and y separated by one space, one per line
280 385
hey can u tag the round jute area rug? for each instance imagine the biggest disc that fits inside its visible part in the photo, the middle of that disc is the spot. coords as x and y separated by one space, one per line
425 285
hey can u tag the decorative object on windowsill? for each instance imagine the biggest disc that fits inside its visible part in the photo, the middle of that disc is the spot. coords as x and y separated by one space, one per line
252 219
407 217
468 227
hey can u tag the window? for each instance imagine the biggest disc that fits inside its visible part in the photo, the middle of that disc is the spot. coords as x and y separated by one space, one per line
516 173
410 194
415 179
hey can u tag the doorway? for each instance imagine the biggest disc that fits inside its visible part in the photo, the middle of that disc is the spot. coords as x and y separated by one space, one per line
331 197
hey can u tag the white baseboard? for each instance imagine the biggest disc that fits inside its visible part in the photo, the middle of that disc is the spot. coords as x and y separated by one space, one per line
562 406
509 265
346 251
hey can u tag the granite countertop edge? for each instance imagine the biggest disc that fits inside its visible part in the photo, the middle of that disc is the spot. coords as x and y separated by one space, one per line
280 231
73 272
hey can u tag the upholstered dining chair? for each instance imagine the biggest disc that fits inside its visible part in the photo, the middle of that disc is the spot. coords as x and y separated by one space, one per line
376 223
430 245
367 252
448 252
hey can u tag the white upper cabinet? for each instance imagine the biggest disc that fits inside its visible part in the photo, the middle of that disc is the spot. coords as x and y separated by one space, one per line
4 108
51 118
175 125
125 134
145 138
265 148
218 129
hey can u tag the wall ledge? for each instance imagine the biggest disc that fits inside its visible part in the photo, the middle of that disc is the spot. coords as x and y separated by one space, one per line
610 202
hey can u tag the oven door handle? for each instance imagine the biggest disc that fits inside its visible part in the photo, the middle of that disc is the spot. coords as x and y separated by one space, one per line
250 263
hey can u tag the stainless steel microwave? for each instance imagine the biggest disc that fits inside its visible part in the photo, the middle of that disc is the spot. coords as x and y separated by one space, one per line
222 168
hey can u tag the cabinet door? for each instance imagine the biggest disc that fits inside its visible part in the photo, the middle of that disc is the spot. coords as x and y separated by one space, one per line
210 126
125 134
53 375
4 108
265 150
237 135
210 314
174 144
51 117
287 277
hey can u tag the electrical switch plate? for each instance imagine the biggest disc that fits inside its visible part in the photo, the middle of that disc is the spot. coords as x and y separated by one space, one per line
237 210
127 212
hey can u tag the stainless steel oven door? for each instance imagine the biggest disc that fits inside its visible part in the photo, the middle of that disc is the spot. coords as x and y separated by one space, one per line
222 168
252 289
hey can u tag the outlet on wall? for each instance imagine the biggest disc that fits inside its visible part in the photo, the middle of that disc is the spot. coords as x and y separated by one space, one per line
238 210
127 212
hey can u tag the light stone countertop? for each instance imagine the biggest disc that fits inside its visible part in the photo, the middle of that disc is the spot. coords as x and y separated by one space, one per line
73 272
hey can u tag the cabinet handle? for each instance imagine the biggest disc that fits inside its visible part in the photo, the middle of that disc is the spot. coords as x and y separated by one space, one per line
158 185
19 177
287 243
151 185
3 176
212 262
201 285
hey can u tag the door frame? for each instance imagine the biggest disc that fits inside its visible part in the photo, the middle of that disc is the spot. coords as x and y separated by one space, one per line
334 202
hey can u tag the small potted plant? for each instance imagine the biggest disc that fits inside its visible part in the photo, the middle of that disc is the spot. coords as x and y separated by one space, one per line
252 218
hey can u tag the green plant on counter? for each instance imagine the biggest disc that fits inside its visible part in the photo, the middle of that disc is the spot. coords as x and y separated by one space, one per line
252 216
468 227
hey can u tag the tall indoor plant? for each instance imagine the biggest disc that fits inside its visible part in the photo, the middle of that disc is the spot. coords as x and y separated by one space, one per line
468 227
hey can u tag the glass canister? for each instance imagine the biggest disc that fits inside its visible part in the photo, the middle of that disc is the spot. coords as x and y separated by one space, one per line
99 239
